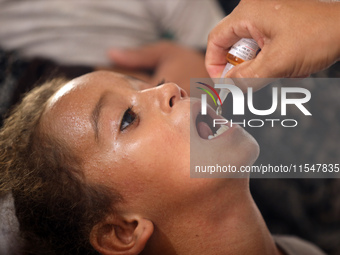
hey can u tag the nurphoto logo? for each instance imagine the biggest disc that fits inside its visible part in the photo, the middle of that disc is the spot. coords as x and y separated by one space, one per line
239 104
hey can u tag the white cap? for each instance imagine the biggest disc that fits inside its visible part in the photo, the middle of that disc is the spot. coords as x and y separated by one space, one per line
223 95
224 92
228 66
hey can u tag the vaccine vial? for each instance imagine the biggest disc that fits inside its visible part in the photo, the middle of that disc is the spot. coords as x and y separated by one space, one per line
245 49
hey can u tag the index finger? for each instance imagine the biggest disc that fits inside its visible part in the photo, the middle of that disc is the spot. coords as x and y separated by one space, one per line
220 39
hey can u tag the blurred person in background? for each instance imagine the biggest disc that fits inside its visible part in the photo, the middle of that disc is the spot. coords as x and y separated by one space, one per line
153 40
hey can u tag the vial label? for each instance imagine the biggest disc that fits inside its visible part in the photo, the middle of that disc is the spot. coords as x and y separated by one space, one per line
245 49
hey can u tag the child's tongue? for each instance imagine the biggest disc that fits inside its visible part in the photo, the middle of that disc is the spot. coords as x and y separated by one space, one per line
204 130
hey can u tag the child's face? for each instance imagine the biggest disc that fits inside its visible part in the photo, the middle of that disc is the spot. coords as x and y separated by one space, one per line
136 139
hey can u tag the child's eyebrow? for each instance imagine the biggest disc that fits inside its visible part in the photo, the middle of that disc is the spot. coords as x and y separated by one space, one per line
132 78
96 114
129 77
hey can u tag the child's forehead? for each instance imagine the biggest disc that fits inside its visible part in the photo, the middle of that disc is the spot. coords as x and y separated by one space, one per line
96 81
64 90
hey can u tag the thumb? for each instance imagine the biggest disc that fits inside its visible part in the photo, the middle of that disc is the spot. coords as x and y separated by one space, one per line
262 69
143 57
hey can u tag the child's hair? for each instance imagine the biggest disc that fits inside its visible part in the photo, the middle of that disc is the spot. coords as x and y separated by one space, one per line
55 206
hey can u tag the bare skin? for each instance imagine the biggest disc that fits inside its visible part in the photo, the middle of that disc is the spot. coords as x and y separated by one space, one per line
143 152
297 38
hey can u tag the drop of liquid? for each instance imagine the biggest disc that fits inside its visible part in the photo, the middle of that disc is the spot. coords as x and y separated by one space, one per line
219 110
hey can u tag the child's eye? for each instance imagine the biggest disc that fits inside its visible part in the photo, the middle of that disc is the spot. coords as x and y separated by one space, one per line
128 118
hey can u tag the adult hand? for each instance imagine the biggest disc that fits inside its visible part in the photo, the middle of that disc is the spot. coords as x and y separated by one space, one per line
296 38
169 61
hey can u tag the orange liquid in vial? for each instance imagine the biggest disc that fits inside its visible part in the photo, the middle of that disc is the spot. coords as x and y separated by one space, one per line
233 59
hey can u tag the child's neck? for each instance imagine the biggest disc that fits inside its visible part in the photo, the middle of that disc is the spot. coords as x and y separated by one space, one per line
236 229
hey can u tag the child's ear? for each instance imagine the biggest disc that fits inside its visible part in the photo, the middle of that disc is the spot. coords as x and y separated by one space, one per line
117 235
